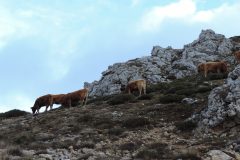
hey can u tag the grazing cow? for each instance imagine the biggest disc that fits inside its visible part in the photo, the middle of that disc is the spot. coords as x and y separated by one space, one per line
80 95
45 100
214 67
139 85
57 99
237 56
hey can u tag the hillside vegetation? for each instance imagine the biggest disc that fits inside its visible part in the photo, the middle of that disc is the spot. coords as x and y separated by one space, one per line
152 126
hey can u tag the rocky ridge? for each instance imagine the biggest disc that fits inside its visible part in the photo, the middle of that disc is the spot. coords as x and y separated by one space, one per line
165 64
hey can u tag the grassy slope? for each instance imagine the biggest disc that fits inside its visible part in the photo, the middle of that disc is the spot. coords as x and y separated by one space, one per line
151 126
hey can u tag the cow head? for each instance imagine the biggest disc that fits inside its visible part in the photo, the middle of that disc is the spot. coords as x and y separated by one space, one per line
200 67
33 109
123 88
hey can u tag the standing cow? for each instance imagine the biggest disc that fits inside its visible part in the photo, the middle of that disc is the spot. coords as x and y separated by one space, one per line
214 67
80 95
57 99
45 100
139 85
237 56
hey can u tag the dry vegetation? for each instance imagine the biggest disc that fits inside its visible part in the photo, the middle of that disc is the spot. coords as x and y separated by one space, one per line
152 126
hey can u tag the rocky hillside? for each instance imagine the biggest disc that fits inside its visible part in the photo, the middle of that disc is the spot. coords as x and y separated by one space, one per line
165 64
153 126
182 116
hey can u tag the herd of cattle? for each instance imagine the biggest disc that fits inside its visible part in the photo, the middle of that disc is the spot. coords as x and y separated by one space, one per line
139 85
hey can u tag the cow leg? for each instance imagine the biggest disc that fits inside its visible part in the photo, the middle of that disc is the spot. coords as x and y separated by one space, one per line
205 73
51 103
46 108
140 92
86 98
69 103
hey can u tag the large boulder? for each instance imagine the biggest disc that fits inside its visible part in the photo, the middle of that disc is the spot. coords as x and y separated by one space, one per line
223 103
164 63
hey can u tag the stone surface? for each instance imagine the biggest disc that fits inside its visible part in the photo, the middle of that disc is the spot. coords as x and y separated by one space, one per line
219 155
223 102
164 63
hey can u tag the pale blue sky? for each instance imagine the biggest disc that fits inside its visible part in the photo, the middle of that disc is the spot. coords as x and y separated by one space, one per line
54 46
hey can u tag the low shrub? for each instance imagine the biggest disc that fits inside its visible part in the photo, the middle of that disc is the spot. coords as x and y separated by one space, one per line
128 146
157 87
216 76
99 99
103 123
145 97
203 89
87 145
186 125
13 113
154 151
120 99
170 98
14 151
186 92
134 122
115 131
85 118
24 138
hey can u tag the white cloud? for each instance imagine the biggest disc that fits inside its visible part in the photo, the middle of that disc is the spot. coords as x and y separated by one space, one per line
11 27
153 19
135 3
186 11
16 101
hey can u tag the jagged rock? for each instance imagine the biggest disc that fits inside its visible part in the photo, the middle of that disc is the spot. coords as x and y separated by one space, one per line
223 102
164 63
189 101
218 155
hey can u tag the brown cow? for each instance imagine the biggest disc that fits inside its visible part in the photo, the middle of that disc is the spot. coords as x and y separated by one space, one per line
45 100
57 99
214 67
237 56
139 85
80 95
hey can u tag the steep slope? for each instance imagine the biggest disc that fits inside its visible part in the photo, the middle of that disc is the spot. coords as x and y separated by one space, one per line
121 126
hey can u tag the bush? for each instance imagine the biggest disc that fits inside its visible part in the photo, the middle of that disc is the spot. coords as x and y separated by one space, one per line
186 92
115 131
157 87
134 122
99 99
85 118
128 146
145 97
120 99
86 145
13 113
24 138
103 123
216 76
186 125
170 98
14 151
154 151
203 89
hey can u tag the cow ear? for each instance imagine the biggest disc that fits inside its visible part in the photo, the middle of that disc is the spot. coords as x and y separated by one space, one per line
31 107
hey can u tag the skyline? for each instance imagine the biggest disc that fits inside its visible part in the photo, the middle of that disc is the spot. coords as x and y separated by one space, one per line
55 46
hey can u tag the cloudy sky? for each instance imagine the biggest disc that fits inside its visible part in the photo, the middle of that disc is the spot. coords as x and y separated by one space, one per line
54 46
